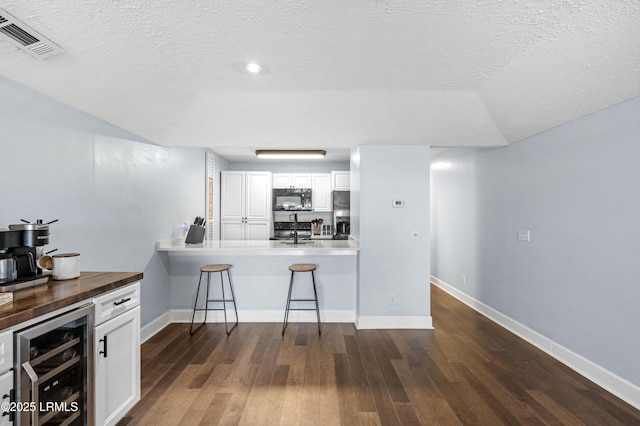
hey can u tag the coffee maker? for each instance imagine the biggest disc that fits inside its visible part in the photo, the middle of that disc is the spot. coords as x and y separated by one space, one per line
20 246
342 214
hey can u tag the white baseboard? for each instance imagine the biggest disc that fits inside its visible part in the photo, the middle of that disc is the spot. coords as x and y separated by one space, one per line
393 322
149 330
184 315
613 383
328 316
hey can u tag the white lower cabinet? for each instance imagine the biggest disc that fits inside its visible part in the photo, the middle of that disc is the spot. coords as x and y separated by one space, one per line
245 230
117 359
6 386
6 373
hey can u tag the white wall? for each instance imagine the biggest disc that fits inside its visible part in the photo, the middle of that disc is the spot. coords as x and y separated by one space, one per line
114 196
391 262
576 188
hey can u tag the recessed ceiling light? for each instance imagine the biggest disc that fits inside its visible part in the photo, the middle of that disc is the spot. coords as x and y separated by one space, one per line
253 68
291 154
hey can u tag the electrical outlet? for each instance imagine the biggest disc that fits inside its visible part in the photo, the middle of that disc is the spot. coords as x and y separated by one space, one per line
524 234
464 279
414 235
392 299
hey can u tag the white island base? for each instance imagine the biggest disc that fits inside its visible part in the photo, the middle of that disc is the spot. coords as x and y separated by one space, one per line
261 277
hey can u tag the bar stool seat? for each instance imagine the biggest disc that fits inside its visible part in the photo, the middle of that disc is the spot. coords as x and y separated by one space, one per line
215 268
209 269
301 267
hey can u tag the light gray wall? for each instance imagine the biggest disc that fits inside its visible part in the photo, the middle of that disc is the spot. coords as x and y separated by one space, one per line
261 282
390 261
114 196
576 188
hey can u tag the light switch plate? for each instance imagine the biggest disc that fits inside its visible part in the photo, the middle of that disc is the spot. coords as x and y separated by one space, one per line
397 203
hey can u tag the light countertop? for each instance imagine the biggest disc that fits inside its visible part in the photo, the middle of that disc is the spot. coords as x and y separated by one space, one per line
177 247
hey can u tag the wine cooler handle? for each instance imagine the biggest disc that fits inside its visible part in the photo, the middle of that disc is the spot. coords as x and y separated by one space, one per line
122 301
105 346
35 381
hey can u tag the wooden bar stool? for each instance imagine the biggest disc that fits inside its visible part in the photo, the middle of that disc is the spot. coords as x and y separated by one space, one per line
209 269
301 268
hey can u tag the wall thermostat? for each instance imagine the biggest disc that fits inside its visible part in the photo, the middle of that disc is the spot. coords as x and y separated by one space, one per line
397 203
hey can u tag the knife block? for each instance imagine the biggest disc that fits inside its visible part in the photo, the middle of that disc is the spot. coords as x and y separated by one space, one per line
195 235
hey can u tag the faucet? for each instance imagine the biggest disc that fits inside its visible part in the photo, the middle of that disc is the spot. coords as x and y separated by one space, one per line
295 228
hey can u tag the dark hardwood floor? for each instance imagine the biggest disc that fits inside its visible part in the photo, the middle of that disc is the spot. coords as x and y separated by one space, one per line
466 371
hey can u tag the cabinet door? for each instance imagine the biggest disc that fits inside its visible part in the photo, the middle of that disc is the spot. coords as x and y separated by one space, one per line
232 195
258 187
282 180
341 181
6 385
6 351
117 372
301 180
321 192
232 230
258 230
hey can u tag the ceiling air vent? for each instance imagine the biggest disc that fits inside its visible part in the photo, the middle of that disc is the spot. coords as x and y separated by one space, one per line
26 38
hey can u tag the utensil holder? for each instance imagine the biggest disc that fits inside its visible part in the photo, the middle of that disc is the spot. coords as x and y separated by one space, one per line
195 235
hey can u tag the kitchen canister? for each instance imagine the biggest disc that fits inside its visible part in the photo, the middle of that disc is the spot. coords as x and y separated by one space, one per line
66 266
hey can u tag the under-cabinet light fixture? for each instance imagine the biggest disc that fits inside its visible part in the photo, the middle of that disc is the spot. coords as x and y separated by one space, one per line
291 154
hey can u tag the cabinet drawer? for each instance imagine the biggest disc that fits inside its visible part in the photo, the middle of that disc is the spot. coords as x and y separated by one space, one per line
116 302
6 351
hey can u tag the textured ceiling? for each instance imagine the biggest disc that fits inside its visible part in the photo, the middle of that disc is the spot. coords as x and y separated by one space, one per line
338 73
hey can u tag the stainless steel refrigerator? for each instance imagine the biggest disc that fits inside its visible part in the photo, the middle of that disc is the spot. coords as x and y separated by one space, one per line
341 215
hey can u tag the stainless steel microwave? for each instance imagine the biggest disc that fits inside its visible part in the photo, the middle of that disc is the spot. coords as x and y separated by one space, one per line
292 199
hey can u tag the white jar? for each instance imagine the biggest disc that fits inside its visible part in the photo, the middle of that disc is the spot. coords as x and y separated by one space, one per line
66 266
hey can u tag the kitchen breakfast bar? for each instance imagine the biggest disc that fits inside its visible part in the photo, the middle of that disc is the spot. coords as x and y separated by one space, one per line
260 277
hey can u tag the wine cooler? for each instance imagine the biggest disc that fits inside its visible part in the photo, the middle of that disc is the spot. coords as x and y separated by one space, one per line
55 381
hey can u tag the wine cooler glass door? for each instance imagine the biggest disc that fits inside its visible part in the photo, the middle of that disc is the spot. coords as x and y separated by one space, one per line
55 384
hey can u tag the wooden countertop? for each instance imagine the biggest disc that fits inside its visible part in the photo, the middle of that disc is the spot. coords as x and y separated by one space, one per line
33 302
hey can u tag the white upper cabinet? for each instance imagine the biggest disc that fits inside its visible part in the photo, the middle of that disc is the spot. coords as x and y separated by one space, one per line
321 192
292 180
245 208
282 180
258 195
341 181
232 194
245 195
301 180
